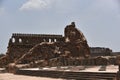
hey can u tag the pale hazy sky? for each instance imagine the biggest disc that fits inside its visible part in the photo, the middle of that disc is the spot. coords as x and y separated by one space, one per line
99 20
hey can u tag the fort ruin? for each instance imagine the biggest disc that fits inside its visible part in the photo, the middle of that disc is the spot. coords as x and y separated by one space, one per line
41 50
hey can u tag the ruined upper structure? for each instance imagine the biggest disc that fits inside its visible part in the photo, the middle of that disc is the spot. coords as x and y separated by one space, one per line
20 44
75 36
33 39
30 47
72 34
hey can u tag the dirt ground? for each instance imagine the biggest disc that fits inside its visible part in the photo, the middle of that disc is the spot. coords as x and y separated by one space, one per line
9 76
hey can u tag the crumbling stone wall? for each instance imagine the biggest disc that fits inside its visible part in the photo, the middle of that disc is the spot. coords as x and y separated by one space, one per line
20 44
33 39
77 40
33 47
74 45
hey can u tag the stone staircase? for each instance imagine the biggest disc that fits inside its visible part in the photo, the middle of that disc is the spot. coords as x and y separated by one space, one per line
69 74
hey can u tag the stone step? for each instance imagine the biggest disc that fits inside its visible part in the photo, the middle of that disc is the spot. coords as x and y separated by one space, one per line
67 74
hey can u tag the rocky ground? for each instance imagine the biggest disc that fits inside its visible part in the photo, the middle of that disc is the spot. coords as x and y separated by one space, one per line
9 76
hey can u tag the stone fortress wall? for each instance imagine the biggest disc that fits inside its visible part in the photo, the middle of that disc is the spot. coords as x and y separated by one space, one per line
72 43
33 39
20 44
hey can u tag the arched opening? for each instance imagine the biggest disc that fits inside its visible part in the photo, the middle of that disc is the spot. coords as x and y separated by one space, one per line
20 40
55 40
50 40
13 40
